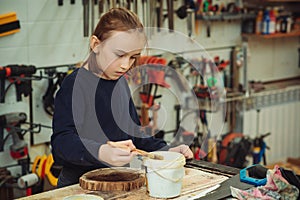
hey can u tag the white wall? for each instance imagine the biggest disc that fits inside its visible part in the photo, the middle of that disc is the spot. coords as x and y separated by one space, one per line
282 121
53 35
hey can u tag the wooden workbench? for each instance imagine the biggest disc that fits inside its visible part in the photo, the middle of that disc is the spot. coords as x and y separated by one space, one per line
198 177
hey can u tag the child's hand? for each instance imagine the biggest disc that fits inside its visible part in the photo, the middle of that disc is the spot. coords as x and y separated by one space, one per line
183 149
116 156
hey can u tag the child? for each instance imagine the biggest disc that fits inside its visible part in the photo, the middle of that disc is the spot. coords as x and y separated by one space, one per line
94 104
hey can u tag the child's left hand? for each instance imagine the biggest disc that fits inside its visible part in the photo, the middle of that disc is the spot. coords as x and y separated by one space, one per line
183 149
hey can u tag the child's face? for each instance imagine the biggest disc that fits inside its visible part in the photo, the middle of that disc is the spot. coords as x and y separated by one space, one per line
117 54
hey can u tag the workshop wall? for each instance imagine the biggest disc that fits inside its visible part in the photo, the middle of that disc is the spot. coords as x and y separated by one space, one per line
53 35
273 59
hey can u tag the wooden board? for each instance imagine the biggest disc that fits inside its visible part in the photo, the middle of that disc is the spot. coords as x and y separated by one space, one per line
112 179
195 181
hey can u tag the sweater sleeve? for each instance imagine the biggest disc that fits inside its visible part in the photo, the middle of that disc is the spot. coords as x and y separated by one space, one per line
68 147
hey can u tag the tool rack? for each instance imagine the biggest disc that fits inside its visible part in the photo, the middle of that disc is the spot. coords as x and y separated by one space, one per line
267 98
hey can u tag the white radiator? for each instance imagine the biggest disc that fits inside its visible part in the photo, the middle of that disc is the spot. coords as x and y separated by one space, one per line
283 121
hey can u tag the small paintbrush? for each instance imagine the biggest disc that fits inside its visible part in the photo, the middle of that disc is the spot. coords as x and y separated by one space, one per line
140 152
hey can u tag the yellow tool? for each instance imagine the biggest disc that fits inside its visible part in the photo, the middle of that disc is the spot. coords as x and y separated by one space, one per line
52 179
9 24
42 165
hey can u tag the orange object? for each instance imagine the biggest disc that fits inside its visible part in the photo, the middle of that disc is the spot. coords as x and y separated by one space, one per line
9 24
157 77
225 142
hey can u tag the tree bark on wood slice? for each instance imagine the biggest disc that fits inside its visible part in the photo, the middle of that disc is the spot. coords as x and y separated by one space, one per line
112 179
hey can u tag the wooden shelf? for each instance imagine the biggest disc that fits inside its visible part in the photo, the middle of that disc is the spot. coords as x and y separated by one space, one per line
276 35
282 1
225 16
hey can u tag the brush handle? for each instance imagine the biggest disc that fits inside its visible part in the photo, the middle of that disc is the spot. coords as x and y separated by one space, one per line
118 145
139 151
123 146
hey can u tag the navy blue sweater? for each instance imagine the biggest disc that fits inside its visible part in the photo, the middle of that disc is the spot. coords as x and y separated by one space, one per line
89 111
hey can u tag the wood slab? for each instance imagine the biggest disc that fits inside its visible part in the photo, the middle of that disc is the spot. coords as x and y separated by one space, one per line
112 179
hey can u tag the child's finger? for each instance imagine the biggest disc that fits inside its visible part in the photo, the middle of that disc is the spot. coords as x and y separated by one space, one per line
121 151
128 143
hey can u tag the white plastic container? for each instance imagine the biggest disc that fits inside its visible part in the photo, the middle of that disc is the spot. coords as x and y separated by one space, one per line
164 177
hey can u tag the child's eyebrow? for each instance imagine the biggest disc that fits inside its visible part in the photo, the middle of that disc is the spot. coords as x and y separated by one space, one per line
125 52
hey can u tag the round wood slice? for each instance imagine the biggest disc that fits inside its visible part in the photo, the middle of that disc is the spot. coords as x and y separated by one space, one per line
112 179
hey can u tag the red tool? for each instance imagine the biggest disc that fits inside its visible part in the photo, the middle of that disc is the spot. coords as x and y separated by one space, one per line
12 72
11 121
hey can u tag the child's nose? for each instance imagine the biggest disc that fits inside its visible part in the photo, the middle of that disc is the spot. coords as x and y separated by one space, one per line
126 64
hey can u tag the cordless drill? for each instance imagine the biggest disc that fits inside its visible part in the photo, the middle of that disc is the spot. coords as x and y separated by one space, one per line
16 74
11 121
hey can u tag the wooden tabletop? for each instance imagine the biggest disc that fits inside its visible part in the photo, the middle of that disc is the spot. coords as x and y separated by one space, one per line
199 176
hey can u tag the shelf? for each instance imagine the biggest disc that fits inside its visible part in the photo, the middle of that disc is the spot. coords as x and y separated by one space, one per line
225 16
282 1
276 35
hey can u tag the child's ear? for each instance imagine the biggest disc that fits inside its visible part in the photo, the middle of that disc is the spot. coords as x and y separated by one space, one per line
94 42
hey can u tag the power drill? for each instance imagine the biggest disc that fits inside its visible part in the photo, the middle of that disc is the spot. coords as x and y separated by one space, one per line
16 73
11 121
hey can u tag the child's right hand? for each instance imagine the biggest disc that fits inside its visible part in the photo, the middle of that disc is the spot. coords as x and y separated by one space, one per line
116 156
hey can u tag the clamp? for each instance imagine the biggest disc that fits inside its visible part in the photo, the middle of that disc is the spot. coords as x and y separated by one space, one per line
254 175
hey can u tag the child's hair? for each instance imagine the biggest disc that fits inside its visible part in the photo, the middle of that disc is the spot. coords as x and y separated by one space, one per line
116 19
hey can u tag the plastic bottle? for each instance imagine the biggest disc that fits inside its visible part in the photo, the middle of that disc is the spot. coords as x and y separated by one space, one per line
278 19
266 23
289 24
272 24
283 27
258 22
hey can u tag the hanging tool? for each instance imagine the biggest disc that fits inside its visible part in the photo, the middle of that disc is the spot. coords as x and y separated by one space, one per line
108 5
189 21
60 2
159 13
144 7
11 121
100 8
208 24
86 8
170 8
128 4
201 90
43 167
154 109
48 97
135 6
9 24
93 3
259 145
198 12
206 4
16 74
113 3
144 115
